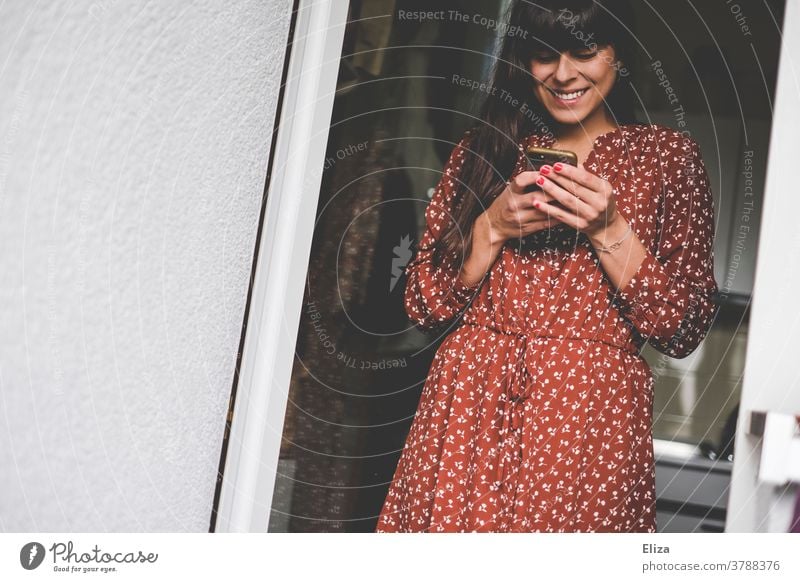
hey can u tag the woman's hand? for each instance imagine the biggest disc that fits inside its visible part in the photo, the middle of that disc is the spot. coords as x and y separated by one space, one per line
587 201
513 214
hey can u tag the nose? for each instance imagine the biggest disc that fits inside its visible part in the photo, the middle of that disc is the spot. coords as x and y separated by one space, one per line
566 70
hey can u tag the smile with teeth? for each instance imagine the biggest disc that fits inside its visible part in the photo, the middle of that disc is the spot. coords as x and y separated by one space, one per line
568 96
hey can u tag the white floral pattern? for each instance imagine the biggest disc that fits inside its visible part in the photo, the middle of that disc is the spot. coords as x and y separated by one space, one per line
536 415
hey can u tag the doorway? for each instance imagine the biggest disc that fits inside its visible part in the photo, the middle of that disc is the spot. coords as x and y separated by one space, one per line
406 91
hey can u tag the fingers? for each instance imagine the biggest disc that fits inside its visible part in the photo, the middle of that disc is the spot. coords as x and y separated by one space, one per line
527 220
580 176
573 187
538 196
534 214
564 215
565 197
534 224
569 195
523 205
521 181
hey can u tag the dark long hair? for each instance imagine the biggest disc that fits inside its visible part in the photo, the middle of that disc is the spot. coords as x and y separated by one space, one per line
493 144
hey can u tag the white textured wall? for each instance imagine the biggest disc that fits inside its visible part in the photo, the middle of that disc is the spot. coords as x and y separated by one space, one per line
134 138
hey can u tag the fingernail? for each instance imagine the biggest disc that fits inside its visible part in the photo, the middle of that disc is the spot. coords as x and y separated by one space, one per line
540 181
545 170
536 204
558 167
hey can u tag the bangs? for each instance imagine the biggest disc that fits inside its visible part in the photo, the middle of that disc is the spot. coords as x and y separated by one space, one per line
564 25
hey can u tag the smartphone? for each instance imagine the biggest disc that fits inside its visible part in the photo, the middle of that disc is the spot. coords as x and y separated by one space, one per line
538 157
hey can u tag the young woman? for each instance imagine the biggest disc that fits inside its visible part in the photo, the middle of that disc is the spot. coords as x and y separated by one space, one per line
537 412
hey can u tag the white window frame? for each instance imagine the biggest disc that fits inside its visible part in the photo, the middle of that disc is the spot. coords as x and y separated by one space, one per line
771 375
281 268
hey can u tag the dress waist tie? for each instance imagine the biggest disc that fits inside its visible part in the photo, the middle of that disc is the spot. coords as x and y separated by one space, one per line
511 446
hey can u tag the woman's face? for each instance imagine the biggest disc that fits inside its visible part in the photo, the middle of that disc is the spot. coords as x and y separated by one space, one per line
574 84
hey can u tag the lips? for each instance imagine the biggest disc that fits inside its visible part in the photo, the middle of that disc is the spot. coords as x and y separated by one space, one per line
568 96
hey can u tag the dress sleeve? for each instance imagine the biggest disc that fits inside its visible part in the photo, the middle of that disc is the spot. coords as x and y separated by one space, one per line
434 295
670 299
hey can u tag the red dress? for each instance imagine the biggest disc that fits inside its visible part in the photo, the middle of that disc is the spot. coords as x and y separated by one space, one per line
536 415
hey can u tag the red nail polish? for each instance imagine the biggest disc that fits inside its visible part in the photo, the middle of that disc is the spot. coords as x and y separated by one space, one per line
536 204
544 170
558 167
540 181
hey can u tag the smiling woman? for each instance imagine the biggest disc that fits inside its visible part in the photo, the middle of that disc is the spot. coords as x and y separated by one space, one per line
536 415
570 46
